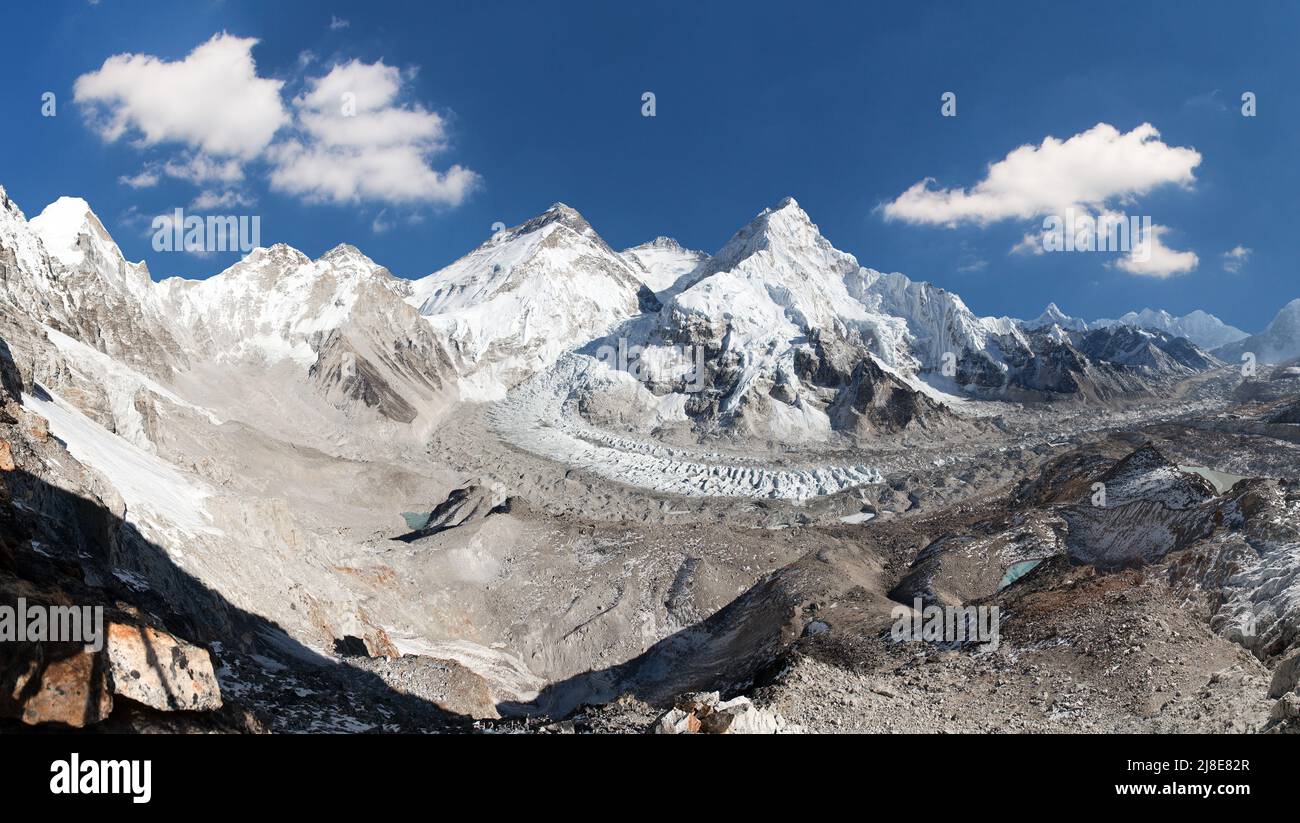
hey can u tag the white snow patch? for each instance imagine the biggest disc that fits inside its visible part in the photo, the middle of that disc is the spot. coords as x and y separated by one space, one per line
156 493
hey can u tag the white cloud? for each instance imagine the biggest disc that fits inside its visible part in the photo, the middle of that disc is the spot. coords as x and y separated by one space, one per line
147 178
1235 258
211 100
1086 171
357 141
1030 243
337 23
1089 174
209 199
1152 258
200 169
352 135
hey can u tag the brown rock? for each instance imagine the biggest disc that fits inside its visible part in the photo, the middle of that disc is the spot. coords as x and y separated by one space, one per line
160 670
58 683
6 457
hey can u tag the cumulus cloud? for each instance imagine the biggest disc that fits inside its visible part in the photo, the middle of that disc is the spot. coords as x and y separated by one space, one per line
200 169
1090 174
1235 258
212 99
1150 257
209 199
147 178
356 140
352 135
1086 171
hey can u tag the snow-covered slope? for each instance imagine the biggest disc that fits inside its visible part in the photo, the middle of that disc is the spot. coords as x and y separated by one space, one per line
1278 343
516 303
663 261
270 304
1203 329
938 321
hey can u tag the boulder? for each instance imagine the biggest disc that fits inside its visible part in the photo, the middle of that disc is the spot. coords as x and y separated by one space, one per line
707 713
54 683
159 670
1286 677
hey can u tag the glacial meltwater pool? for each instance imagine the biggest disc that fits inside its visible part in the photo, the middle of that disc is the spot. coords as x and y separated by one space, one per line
1017 571
1222 481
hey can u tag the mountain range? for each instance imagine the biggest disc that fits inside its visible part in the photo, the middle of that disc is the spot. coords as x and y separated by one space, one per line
798 340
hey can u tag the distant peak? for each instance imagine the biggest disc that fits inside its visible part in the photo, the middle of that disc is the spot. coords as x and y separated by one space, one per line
558 214
279 253
344 251
664 243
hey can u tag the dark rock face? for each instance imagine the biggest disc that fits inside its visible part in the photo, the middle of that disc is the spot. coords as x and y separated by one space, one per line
1099 364
868 399
1144 350
464 505
1289 413
1141 509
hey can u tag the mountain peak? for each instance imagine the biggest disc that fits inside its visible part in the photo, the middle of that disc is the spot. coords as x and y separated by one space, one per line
660 242
280 254
60 224
1053 316
345 253
558 214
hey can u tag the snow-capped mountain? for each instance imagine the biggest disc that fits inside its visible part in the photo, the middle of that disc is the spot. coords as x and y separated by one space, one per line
264 341
663 262
938 322
270 304
1277 343
1203 329
1149 351
69 265
516 303
799 338
1053 316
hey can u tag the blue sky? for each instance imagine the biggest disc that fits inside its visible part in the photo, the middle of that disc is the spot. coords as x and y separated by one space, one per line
835 104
